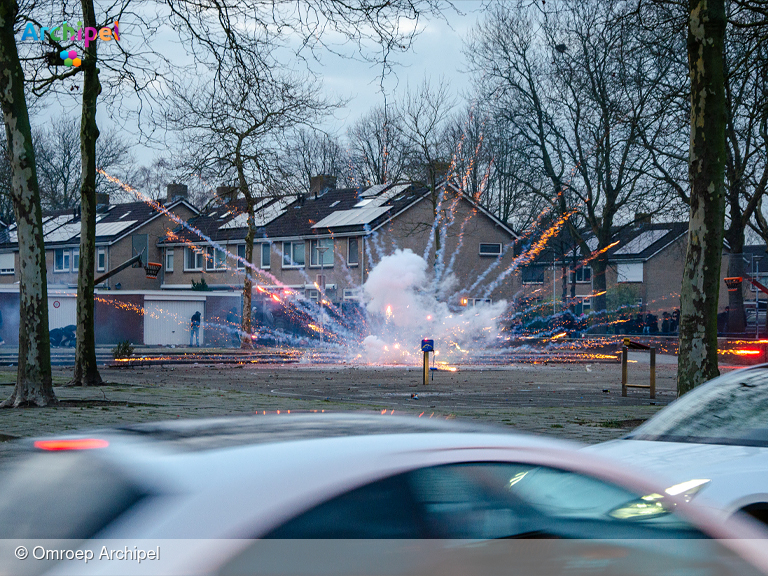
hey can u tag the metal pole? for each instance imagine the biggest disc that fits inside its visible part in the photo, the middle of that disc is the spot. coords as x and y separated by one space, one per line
426 367
321 289
624 355
653 372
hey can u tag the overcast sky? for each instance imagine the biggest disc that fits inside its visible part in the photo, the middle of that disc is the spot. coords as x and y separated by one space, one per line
436 52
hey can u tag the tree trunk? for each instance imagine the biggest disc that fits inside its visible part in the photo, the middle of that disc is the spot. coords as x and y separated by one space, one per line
86 372
246 342
33 380
697 361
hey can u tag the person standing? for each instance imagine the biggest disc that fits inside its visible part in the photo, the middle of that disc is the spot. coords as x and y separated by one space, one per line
194 334
233 325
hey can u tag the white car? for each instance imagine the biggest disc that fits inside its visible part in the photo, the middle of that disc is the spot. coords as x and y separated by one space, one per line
713 441
347 494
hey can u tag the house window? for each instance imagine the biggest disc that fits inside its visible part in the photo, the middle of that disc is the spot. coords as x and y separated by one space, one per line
321 252
533 274
215 259
490 249
353 256
481 301
293 254
586 305
7 263
241 256
193 260
75 258
61 260
629 272
169 260
266 254
582 275
313 294
101 259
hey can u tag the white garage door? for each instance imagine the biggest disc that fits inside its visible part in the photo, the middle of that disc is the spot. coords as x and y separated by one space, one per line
168 321
62 311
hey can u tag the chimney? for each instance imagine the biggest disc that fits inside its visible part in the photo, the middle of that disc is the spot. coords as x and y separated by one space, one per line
102 202
227 194
320 184
642 219
176 192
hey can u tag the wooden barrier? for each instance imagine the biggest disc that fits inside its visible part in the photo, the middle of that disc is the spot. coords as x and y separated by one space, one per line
624 360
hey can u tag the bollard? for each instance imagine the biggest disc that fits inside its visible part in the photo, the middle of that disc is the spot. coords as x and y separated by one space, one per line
427 346
624 357
653 372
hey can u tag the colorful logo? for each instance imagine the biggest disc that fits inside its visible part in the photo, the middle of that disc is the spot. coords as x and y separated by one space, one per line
65 33
70 58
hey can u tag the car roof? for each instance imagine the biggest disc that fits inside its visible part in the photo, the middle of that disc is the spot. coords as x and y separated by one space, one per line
226 432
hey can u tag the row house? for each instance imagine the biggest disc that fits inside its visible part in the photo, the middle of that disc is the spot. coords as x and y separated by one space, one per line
333 237
122 231
645 269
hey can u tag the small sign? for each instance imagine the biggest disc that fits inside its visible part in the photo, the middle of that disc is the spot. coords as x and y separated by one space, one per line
56 303
427 345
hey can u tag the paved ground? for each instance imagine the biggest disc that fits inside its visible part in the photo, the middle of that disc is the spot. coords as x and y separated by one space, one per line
575 401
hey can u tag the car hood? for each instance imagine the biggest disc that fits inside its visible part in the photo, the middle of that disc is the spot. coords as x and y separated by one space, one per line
679 461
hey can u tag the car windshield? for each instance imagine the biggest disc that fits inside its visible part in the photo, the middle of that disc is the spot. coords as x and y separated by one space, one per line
731 409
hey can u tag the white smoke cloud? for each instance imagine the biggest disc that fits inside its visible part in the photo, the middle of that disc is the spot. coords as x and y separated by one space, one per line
404 306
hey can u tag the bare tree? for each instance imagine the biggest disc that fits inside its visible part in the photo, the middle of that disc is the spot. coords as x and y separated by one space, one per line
746 164
237 130
577 88
153 179
425 112
467 135
33 381
310 153
59 162
377 151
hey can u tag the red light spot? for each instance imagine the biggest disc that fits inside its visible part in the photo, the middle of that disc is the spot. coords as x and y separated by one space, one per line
275 297
78 444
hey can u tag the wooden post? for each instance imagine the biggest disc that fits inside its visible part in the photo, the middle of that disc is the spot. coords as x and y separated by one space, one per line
426 368
653 372
624 357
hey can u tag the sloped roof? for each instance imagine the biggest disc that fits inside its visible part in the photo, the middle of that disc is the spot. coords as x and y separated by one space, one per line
640 241
62 227
228 222
345 210
336 211
637 242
